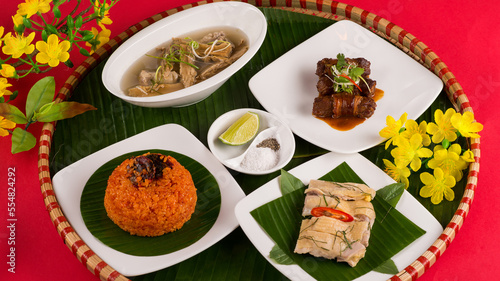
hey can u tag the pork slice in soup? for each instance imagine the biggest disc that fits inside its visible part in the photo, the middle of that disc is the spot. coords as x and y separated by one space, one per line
185 62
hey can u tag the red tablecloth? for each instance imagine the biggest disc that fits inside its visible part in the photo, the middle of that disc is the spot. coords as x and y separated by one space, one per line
463 33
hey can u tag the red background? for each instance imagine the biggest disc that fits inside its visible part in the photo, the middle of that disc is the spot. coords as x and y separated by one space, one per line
463 33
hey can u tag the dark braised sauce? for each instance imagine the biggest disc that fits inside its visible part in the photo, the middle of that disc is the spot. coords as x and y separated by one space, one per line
348 123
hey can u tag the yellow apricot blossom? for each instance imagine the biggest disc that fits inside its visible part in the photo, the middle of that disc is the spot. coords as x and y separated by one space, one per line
17 19
391 131
2 29
98 7
449 160
437 185
468 156
52 52
412 128
100 38
466 125
398 173
4 84
442 128
31 7
7 70
5 124
410 152
18 45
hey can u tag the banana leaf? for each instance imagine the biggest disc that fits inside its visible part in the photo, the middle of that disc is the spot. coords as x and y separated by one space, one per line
100 225
391 232
233 258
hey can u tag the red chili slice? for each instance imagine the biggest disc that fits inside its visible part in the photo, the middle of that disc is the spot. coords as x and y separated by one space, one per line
352 81
333 213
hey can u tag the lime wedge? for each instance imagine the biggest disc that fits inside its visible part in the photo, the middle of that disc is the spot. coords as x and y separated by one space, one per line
241 131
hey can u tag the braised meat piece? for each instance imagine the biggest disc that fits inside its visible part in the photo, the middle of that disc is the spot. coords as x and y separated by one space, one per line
324 66
343 105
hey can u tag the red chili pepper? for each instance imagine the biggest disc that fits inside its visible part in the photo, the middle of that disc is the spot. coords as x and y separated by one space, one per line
352 81
333 213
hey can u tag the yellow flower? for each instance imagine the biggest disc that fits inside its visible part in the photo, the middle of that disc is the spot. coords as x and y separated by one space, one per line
448 160
410 152
98 7
412 128
7 70
17 19
391 132
5 124
52 52
31 7
18 45
468 156
3 87
438 185
2 29
398 173
442 129
465 124
100 38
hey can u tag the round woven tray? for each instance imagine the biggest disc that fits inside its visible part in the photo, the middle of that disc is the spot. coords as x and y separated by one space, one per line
326 9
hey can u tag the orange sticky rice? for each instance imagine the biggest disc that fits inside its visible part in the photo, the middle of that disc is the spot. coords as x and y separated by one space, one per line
150 195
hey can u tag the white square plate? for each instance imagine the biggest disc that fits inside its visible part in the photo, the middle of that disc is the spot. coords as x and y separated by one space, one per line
70 181
316 168
287 86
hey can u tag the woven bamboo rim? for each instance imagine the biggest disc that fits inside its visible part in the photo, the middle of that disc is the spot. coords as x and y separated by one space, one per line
327 9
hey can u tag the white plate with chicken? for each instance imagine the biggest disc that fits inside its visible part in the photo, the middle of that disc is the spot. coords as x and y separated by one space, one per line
315 169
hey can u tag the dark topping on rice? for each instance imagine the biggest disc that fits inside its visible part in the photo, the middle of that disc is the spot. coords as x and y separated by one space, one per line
147 167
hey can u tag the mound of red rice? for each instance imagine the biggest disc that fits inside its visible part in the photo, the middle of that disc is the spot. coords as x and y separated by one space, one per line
150 195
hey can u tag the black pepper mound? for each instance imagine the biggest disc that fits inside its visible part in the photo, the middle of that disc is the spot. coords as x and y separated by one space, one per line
271 143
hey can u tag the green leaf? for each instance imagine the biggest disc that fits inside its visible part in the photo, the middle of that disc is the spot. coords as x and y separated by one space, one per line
26 22
289 182
22 141
57 12
356 71
392 193
279 256
51 29
205 214
13 96
63 110
78 22
69 63
12 113
40 94
70 22
84 52
45 36
388 267
19 29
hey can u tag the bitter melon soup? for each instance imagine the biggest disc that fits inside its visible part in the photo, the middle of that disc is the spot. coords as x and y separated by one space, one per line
184 61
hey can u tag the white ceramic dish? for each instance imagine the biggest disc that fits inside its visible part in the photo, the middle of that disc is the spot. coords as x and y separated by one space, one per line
242 16
314 169
227 153
287 86
70 181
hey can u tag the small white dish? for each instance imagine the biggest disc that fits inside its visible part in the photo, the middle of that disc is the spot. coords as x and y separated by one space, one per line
242 16
314 169
287 86
270 125
70 182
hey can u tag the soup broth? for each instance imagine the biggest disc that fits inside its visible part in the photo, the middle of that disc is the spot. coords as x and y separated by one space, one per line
184 61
